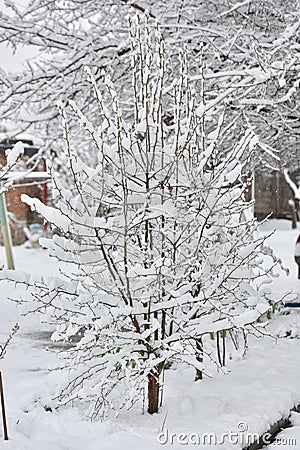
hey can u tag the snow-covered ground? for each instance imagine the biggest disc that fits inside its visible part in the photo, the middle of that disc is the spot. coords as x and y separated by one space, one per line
255 392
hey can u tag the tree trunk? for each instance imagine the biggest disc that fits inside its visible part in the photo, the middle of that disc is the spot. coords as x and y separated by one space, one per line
293 210
199 357
153 392
224 348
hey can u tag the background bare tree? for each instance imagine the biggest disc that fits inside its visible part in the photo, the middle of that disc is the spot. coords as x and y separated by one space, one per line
251 53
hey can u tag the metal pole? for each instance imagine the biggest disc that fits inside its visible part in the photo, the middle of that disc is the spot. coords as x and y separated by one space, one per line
5 230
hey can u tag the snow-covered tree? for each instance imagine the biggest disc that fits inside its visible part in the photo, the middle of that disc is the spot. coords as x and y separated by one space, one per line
251 51
157 240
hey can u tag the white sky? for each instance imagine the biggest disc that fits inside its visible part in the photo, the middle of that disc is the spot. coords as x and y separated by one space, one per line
13 62
8 60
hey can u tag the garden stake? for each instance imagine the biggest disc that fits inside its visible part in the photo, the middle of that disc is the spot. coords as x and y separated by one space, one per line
5 434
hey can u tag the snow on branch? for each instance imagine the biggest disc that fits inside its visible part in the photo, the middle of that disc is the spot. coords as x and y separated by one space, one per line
293 186
13 154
